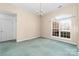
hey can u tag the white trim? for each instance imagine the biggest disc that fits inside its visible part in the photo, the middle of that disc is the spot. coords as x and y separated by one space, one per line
63 40
20 40
53 38
65 18
60 39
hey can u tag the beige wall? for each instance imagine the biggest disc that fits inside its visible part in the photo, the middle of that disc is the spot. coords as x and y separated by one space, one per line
46 26
78 25
28 24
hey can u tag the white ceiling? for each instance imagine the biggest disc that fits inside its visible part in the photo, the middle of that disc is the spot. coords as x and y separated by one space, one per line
41 8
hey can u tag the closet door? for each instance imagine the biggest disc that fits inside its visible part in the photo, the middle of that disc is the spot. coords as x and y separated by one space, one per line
0 31
4 30
7 29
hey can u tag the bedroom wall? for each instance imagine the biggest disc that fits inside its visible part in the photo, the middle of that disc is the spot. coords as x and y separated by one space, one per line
31 26
28 24
78 25
46 25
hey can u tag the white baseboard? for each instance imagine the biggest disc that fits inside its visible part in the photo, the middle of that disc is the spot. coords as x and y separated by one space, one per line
20 40
62 40
53 38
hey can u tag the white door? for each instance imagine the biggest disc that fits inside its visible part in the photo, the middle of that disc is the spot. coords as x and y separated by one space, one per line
0 31
6 28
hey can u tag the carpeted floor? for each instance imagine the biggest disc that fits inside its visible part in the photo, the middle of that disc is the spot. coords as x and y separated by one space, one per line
37 47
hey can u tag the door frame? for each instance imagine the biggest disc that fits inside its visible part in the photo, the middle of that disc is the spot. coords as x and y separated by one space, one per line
15 15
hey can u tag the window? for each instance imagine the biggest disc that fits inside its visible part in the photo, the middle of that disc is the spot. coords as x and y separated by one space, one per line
65 27
55 29
62 27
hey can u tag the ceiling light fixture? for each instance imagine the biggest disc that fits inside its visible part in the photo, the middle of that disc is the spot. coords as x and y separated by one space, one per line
60 6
